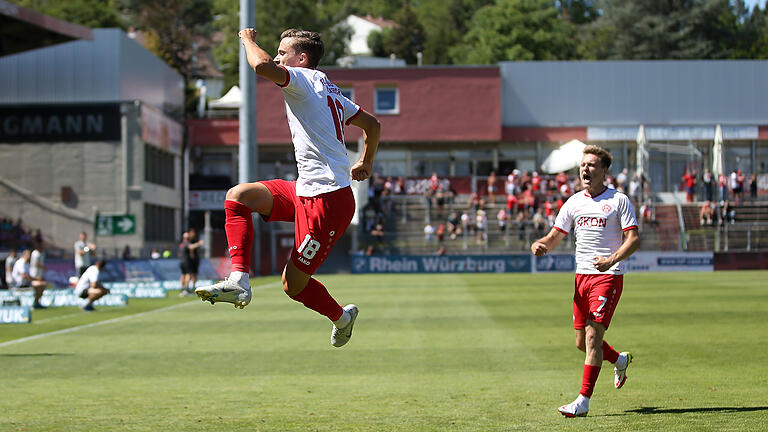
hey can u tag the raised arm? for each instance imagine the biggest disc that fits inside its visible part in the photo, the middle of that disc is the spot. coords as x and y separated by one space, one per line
259 60
371 127
547 243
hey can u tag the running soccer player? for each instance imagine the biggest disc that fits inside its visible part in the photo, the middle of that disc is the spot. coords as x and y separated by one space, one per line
604 223
320 201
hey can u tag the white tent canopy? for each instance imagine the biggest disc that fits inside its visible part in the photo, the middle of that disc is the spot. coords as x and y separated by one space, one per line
563 158
231 100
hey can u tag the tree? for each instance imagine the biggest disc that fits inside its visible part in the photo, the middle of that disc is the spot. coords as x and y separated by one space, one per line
516 30
404 40
88 13
445 22
672 29
272 18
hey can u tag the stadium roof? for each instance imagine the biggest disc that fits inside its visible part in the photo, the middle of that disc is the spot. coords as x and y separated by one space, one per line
23 29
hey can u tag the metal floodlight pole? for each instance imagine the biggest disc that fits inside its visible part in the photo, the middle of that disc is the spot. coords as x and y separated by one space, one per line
248 155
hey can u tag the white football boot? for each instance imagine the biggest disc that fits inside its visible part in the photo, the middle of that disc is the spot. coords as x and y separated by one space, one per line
340 336
577 408
620 371
227 291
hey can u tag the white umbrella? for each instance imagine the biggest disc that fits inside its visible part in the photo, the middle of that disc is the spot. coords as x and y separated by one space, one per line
563 158
717 153
642 152
230 100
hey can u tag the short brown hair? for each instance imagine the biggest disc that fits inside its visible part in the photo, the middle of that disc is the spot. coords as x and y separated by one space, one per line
605 158
307 42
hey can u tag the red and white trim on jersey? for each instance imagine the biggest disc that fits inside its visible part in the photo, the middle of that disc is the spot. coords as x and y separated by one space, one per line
349 120
599 224
605 188
287 77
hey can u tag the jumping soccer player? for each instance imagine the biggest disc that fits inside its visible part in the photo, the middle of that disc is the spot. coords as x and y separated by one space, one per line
320 202
604 223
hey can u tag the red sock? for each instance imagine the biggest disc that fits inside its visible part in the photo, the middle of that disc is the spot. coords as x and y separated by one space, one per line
589 379
609 353
316 297
239 228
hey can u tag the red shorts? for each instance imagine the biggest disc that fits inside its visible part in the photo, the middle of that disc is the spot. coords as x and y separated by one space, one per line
319 220
595 298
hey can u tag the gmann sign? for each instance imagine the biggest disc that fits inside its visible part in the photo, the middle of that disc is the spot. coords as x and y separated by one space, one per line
46 123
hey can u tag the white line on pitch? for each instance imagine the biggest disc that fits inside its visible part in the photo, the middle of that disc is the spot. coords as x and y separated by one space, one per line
114 320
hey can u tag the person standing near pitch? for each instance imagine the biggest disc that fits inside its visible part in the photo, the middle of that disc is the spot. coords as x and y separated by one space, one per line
320 201
605 227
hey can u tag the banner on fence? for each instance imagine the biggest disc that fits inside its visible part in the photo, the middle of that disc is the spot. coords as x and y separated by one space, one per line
15 315
670 261
441 264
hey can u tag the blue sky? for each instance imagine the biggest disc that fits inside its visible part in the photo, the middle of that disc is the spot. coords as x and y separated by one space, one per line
751 3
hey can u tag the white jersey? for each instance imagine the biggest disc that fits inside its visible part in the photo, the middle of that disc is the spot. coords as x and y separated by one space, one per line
90 275
20 268
84 259
317 112
36 263
599 223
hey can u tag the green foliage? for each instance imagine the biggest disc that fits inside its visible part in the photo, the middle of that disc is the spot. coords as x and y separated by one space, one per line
272 18
405 40
88 13
516 30
680 29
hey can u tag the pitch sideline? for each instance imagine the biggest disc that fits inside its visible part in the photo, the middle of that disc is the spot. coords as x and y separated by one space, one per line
114 320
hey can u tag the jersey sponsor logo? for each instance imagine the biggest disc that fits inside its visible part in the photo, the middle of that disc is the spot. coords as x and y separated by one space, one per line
607 208
591 221
231 248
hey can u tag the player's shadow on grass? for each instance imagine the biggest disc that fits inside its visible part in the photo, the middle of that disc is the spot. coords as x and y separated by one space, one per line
657 410
37 355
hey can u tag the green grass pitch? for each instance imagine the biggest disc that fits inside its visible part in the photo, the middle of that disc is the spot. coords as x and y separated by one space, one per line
452 352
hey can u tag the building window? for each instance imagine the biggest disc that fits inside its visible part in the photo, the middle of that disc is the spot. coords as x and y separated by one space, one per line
159 223
387 100
159 167
348 92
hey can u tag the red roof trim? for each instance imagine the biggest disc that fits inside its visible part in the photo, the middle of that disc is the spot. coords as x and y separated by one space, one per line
533 134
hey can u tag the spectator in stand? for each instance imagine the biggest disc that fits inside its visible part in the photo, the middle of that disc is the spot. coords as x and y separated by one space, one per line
127 253
688 183
22 279
429 233
512 204
634 188
705 214
525 179
549 211
481 223
378 233
501 216
376 190
510 184
370 250
440 233
10 260
753 187
536 183
84 251
539 223
454 225
722 182
400 186
466 223
442 250
89 286
492 187
734 184
621 180
529 199
740 180
155 254
709 185
728 213
646 213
